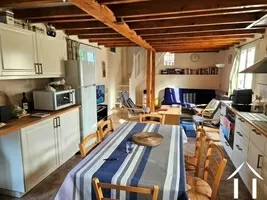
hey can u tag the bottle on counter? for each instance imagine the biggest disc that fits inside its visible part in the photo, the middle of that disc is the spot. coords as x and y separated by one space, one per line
24 102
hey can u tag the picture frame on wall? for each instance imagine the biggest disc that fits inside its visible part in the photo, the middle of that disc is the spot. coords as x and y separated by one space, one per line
104 71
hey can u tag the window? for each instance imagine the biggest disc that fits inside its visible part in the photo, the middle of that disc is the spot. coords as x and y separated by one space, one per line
169 59
247 58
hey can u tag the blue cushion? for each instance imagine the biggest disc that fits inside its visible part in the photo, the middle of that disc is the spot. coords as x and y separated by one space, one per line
172 96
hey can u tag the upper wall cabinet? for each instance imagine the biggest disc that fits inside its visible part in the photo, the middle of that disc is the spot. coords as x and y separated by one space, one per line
50 55
18 49
32 54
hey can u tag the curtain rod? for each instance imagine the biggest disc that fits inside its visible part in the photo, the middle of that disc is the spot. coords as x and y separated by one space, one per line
239 46
97 47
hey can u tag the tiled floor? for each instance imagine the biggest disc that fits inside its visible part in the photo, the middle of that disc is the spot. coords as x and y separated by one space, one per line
47 189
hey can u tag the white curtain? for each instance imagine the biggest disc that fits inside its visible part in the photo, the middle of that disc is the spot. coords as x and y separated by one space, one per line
233 82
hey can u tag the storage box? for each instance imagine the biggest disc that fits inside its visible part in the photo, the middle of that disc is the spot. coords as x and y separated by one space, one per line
7 17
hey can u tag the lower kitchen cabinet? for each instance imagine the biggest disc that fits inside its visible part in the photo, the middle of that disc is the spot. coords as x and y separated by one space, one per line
29 155
39 149
68 135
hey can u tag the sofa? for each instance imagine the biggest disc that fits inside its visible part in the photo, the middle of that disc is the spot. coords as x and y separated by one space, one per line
187 98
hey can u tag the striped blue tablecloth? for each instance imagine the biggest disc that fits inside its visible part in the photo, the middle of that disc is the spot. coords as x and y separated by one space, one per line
145 166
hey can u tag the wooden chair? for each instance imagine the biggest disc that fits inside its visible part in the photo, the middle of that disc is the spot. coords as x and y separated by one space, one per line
99 194
85 148
192 163
153 118
199 189
105 128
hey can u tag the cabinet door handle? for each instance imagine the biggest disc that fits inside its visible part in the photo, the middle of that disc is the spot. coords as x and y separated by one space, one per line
36 66
238 147
258 163
255 131
239 134
55 122
41 68
58 122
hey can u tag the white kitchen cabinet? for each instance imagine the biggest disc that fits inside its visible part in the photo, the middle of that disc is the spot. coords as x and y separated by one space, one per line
18 49
40 151
255 160
50 55
68 135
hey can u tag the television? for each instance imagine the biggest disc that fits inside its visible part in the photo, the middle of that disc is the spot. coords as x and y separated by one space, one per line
100 94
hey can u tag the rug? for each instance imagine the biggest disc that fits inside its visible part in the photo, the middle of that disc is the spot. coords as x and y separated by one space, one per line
189 127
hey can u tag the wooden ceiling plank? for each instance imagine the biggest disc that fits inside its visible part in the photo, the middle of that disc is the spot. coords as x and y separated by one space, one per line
192 29
105 15
195 51
107 36
198 21
79 25
182 15
20 3
107 2
163 37
62 20
173 6
196 41
102 31
122 39
207 34
193 44
50 12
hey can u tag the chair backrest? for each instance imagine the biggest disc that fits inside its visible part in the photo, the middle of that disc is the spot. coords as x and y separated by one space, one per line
105 128
153 118
200 146
218 163
99 194
88 143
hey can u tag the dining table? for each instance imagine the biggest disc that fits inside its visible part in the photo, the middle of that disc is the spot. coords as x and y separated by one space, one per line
144 166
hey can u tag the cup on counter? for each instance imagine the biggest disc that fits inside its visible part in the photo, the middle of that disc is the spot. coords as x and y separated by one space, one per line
129 147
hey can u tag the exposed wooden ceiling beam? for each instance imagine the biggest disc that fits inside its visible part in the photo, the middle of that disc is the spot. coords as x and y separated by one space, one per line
79 25
119 1
110 36
182 15
199 21
188 39
195 35
121 45
19 3
195 44
62 20
173 6
91 31
192 46
190 49
192 29
105 15
194 51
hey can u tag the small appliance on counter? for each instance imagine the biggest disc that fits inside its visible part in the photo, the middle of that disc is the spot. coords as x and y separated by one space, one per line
241 99
46 100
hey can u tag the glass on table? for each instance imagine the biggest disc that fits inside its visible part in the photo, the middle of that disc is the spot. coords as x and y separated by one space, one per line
129 146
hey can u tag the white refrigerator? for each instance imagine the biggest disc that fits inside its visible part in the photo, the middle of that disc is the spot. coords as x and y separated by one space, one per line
81 75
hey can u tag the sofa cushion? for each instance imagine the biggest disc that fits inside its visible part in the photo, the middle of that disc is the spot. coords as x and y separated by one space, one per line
172 96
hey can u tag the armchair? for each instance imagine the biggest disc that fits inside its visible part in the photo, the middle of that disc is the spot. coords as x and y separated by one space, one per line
133 109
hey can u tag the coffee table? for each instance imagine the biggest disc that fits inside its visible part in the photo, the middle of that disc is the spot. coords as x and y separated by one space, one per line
172 114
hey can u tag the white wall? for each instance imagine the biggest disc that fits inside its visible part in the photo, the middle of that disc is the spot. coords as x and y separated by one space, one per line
182 60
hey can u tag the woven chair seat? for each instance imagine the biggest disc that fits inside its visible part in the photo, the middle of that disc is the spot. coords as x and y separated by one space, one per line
200 189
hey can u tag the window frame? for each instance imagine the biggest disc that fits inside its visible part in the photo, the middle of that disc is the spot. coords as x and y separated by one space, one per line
246 75
169 59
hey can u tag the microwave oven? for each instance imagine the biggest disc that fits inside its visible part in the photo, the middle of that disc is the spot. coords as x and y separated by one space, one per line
45 100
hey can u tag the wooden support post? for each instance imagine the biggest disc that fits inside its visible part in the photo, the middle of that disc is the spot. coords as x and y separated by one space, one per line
148 78
153 81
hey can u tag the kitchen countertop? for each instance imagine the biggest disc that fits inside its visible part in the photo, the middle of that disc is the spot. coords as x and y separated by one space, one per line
257 120
17 124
